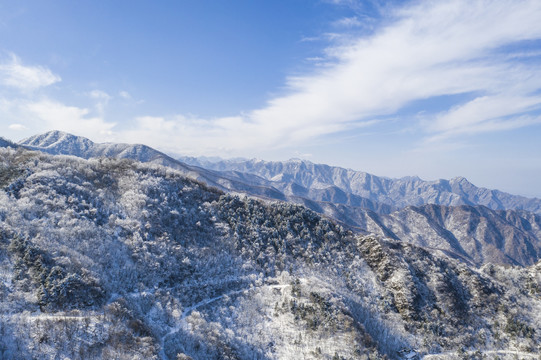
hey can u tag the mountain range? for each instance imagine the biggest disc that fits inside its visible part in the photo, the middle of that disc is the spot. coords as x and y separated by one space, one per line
474 224
113 258
334 184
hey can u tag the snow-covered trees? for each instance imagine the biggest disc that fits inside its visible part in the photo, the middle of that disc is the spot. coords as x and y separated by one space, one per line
115 259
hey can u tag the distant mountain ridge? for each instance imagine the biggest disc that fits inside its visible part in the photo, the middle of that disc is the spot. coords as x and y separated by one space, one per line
452 216
61 143
397 193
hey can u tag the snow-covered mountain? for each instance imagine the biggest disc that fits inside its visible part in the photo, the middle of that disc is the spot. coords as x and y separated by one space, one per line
476 234
61 143
118 259
472 233
301 177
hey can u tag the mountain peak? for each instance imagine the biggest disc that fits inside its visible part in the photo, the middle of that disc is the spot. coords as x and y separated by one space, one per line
58 142
299 161
53 139
460 180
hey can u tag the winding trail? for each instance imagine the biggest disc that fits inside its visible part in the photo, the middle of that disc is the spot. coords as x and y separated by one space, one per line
182 321
446 355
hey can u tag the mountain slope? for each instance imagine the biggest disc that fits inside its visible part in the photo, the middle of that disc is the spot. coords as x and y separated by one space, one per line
474 234
477 235
61 143
111 258
7 143
398 193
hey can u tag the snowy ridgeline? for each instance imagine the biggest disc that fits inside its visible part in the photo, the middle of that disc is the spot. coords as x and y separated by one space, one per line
104 258
478 225
346 186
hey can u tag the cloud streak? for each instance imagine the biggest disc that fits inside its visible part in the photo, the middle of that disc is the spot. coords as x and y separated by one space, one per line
426 50
25 78
72 119
39 115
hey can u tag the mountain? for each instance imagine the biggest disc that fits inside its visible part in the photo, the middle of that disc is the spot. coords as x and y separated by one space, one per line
397 193
475 234
467 225
61 143
117 259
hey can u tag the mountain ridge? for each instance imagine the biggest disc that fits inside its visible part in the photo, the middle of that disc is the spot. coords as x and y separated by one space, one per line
57 142
474 233
477 232
401 192
297 177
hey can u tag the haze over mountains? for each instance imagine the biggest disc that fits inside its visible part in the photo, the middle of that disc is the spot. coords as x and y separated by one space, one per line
475 224
303 178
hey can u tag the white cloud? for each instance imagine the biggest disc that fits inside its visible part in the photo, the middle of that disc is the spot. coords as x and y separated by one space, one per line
23 77
189 135
484 110
428 50
30 112
17 127
54 115
348 22
28 117
124 95
99 95
102 99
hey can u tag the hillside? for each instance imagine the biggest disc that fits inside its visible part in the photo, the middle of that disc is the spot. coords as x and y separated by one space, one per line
475 234
61 143
472 233
111 258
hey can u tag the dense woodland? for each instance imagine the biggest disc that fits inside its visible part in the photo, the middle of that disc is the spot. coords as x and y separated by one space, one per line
115 259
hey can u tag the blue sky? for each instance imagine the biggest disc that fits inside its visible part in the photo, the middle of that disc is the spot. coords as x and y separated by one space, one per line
436 89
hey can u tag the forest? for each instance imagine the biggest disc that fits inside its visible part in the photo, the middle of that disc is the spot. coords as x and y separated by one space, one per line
116 259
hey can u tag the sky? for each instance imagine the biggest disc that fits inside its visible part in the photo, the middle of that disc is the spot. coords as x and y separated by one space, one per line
436 89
